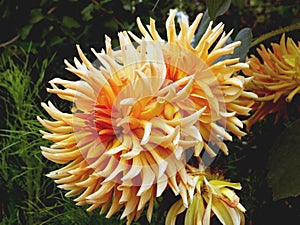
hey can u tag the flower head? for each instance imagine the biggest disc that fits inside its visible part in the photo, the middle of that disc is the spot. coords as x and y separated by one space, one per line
141 114
210 196
275 78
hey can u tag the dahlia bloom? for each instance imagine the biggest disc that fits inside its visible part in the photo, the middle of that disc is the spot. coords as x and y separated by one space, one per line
210 196
139 116
275 79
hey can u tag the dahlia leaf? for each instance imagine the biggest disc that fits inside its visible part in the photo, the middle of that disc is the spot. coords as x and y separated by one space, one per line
36 16
201 29
238 3
70 22
87 12
25 31
245 36
284 165
217 7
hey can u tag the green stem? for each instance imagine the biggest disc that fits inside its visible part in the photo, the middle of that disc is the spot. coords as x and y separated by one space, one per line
274 33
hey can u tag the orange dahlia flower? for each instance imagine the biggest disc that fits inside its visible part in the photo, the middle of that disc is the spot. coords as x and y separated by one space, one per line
141 113
210 196
275 79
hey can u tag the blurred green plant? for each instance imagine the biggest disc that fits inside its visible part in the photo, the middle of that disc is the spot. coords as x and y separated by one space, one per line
27 196
283 163
217 7
21 163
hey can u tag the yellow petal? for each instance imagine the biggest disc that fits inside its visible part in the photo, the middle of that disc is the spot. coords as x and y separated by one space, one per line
175 210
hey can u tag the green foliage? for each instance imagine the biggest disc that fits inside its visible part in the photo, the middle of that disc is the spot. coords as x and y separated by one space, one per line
238 3
201 29
21 163
245 37
56 26
27 196
283 175
61 24
217 7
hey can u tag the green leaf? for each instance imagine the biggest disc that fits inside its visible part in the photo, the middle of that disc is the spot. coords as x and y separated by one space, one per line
56 40
105 1
284 166
201 29
25 31
239 3
36 16
245 36
217 7
43 2
70 22
127 7
87 12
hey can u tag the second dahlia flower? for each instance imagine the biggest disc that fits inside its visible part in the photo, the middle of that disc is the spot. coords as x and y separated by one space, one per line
141 114
275 79
210 196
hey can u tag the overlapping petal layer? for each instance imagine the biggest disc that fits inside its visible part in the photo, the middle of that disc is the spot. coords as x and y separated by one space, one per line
276 78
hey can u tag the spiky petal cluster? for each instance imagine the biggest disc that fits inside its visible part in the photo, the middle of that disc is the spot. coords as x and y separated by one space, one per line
210 196
136 116
217 86
276 78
